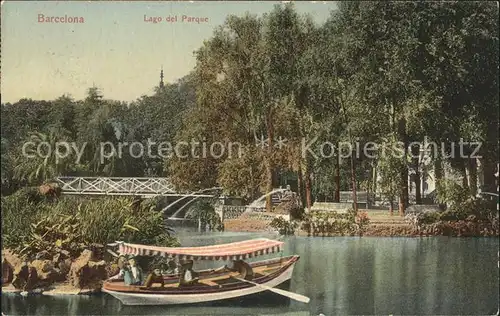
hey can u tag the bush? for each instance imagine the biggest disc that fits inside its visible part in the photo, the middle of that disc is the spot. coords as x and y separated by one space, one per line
363 221
205 212
429 217
17 214
460 228
483 210
283 226
73 224
29 194
297 213
471 208
333 223
468 217
54 233
451 193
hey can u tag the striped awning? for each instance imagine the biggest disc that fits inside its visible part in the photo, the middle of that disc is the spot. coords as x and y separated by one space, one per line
233 251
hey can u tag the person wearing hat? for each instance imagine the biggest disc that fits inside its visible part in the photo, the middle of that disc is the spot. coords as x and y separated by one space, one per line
123 265
154 277
243 268
170 268
134 275
188 275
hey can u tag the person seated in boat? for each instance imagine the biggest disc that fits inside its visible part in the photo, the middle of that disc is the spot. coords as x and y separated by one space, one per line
123 266
164 269
133 275
171 268
154 277
188 275
243 268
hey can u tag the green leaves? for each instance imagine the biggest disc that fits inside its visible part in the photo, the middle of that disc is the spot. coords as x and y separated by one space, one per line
127 226
71 224
401 70
205 213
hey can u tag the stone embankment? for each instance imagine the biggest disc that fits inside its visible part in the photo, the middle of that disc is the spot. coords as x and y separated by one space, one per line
58 274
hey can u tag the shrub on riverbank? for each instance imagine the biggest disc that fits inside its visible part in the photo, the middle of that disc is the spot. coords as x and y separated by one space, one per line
206 214
334 224
469 217
283 226
460 228
72 224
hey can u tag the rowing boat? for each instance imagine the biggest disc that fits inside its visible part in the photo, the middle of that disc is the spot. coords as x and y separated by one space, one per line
212 285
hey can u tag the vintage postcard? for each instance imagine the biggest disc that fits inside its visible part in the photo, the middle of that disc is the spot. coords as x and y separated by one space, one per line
249 158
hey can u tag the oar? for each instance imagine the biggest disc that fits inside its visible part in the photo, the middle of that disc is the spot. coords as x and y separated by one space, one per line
295 296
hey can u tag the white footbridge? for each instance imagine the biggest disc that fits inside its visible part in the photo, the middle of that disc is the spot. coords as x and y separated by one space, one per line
144 187
149 188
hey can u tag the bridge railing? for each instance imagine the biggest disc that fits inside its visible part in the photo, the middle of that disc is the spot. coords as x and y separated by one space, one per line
116 186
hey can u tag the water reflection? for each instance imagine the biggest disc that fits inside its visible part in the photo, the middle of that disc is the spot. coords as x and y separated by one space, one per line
345 275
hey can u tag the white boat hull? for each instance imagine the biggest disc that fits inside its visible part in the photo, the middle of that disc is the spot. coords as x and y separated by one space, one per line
175 299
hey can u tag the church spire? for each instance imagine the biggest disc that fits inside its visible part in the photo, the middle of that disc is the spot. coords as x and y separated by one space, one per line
161 78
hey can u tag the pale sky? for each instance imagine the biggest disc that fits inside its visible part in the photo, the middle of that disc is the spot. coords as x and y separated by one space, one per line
114 49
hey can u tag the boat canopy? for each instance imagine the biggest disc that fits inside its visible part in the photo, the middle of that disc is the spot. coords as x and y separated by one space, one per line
233 251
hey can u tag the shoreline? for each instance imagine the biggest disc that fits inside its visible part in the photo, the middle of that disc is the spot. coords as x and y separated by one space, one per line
391 229
55 289
65 288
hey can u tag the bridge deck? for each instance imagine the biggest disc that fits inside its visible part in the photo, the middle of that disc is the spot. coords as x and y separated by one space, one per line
116 186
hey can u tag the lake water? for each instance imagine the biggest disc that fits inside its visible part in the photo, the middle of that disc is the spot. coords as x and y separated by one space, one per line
341 275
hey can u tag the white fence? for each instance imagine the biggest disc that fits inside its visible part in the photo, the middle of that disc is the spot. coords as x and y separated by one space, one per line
116 186
229 212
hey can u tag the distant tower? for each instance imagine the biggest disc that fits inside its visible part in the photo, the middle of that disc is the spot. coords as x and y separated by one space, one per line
161 78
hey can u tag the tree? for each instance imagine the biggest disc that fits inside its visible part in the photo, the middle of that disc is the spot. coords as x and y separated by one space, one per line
205 213
44 162
247 71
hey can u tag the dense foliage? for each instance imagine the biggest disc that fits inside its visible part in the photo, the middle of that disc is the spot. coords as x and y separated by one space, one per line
205 213
71 224
283 226
385 72
464 215
335 224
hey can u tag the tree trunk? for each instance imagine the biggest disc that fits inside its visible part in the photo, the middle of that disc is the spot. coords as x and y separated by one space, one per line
490 161
391 206
463 172
423 181
308 187
438 171
472 175
300 187
308 192
270 165
337 179
418 187
489 176
269 186
353 180
417 179
403 195
489 169
438 176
